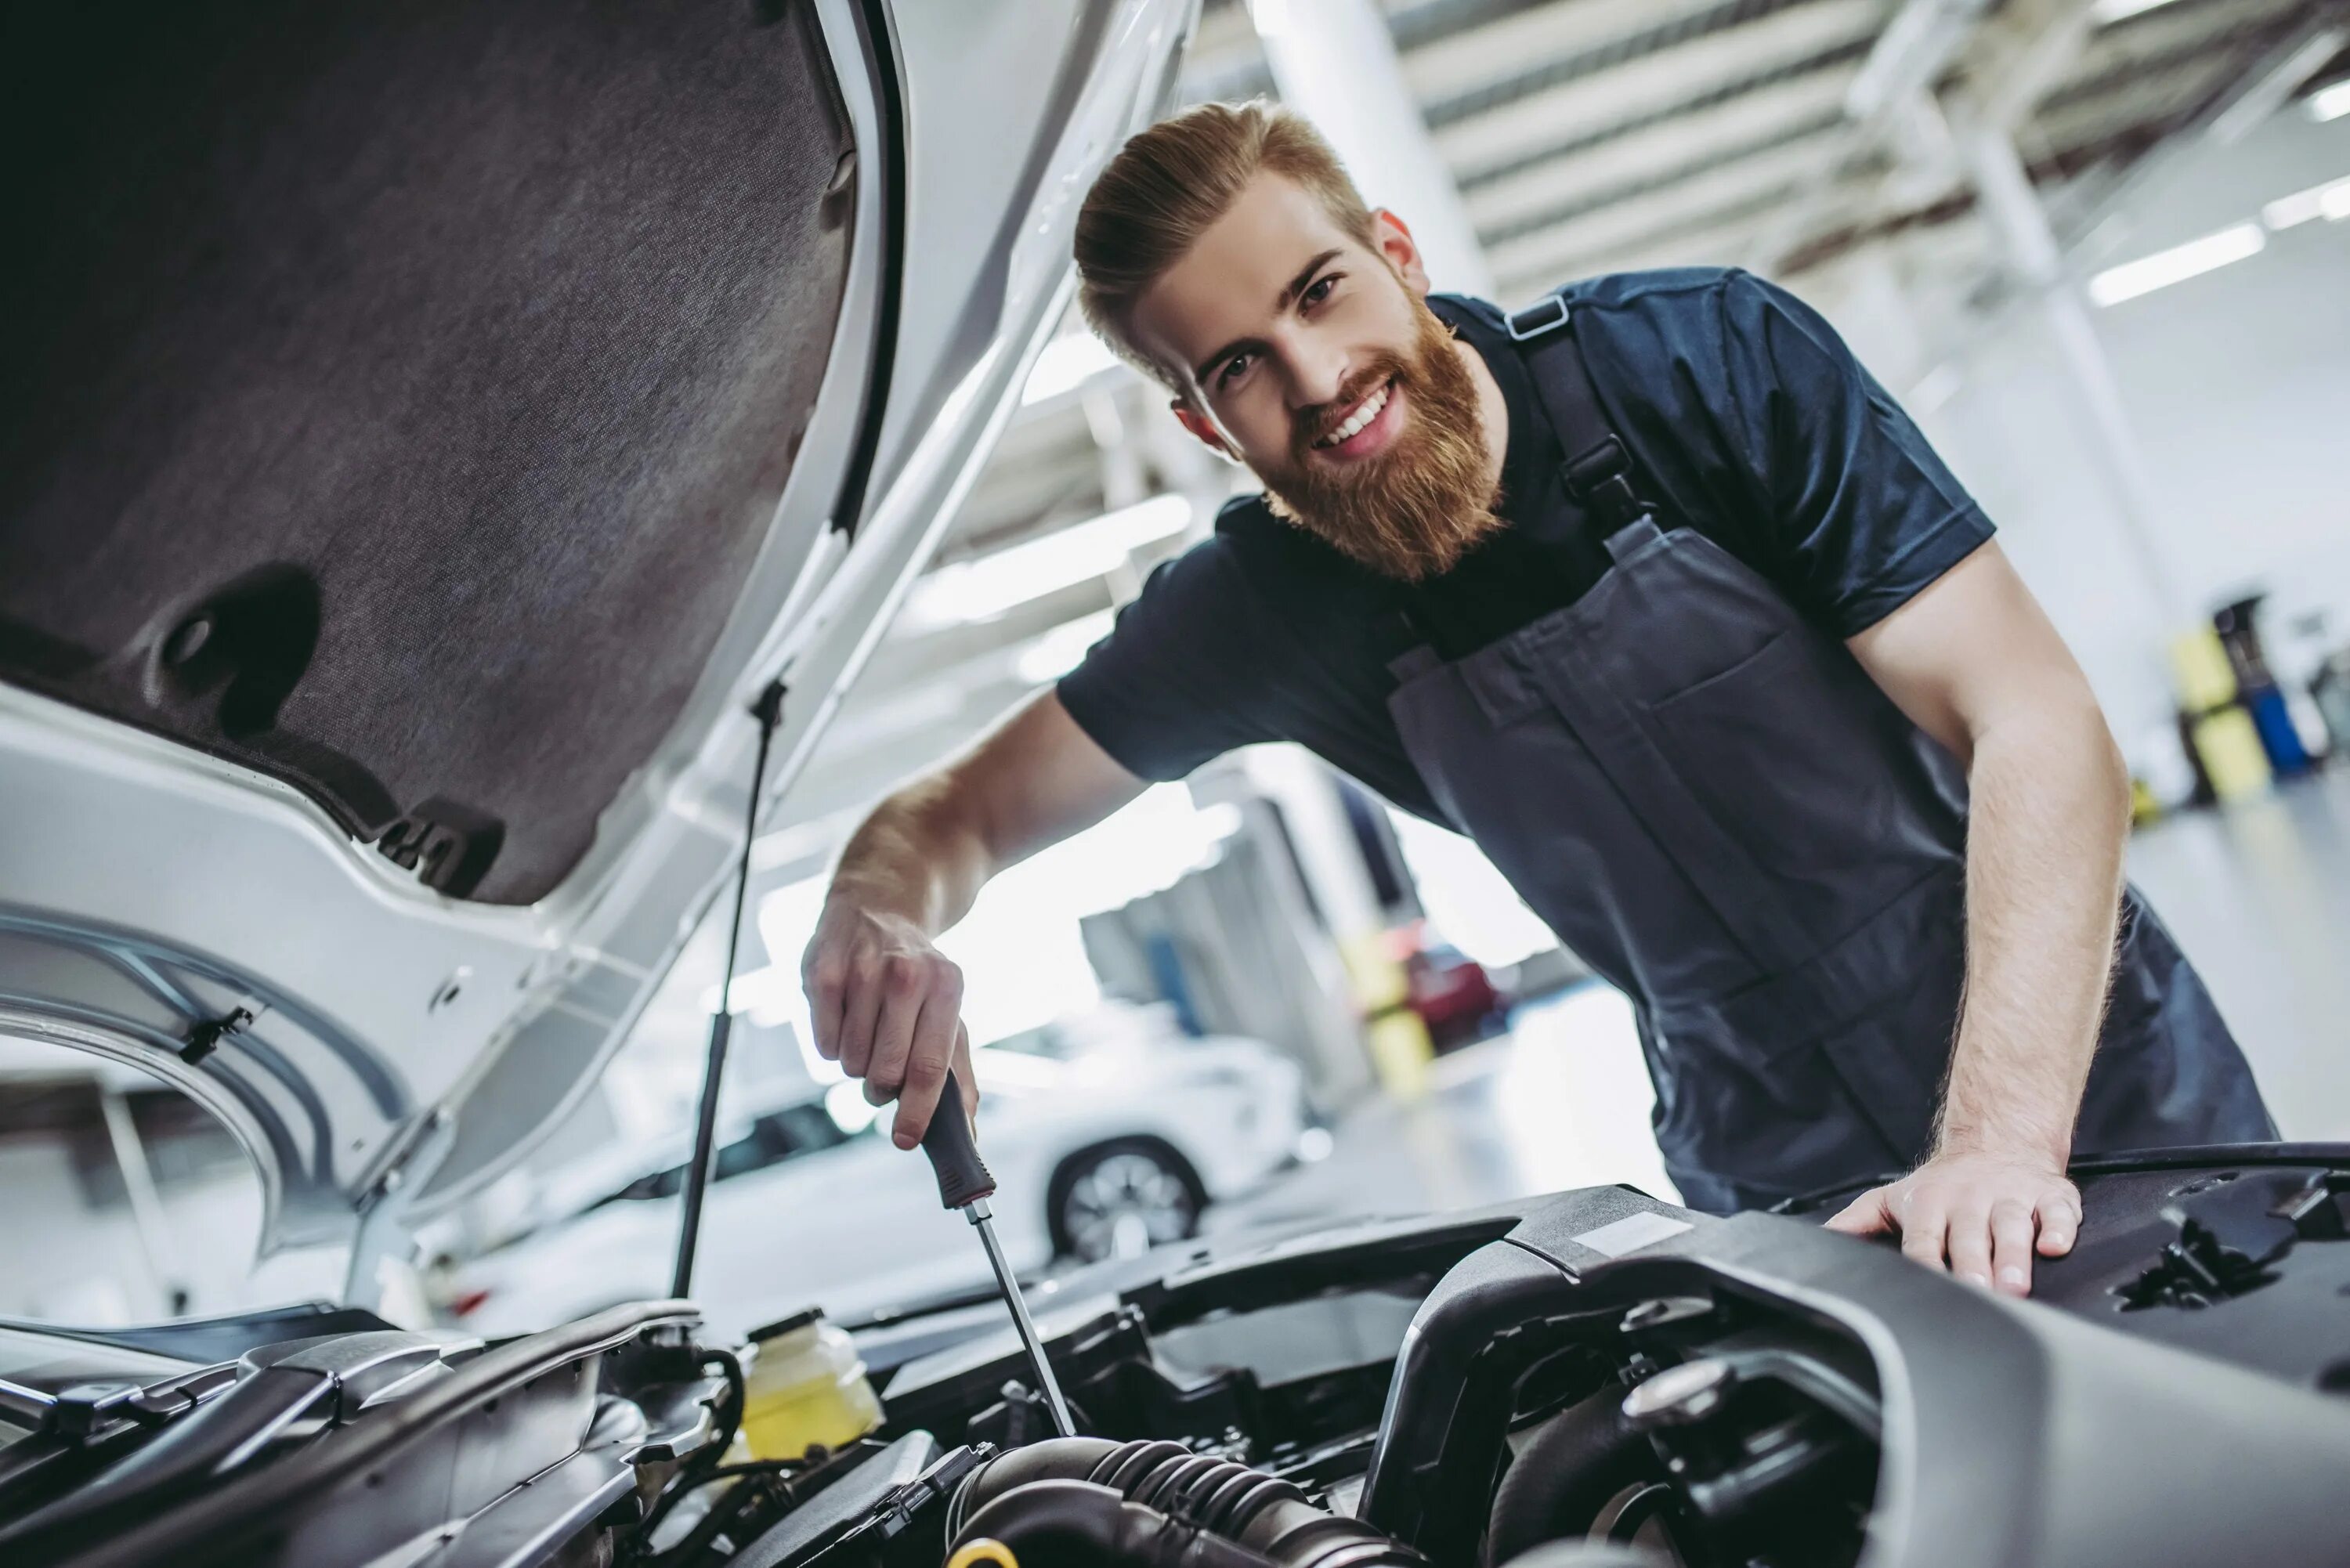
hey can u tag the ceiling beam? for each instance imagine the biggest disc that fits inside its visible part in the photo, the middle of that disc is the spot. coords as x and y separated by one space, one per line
1627 167
1588 107
1693 201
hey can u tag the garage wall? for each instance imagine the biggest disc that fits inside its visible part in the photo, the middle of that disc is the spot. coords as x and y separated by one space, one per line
2238 385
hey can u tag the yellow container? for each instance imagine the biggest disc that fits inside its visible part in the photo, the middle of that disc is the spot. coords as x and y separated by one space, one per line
2233 758
805 1386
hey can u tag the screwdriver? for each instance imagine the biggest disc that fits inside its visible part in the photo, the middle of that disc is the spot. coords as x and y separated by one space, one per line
964 1183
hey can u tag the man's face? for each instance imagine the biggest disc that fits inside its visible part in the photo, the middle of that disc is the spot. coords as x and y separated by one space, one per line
1314 360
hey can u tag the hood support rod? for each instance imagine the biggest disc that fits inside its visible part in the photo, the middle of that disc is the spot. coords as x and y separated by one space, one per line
769 711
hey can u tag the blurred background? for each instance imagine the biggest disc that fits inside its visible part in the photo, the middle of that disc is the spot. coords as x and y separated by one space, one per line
2101 251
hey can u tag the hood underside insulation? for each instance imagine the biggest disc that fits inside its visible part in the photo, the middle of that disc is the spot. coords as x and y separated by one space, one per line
397 395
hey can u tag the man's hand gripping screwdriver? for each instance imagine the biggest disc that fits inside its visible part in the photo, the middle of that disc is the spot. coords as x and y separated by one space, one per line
964 1183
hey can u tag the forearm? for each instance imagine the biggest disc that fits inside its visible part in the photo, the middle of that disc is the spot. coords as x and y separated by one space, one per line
916 857
2050 814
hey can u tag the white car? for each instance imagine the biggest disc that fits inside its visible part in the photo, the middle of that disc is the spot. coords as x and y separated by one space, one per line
1107 1136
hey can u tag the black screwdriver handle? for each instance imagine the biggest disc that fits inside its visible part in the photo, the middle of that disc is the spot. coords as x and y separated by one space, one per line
963 1177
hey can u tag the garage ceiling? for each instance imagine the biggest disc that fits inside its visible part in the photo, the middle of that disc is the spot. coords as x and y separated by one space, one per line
1591 136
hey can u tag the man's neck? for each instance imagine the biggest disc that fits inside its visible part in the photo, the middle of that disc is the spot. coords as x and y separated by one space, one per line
1492 412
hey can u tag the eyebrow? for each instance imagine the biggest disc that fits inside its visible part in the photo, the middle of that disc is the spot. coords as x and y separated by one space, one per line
1297 286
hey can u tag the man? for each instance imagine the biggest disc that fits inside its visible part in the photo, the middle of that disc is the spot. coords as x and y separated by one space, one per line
1657 595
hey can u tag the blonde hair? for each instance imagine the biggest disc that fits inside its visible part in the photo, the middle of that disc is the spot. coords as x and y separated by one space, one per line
1168 184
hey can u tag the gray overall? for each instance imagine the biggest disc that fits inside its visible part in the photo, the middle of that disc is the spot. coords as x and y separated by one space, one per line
1714 806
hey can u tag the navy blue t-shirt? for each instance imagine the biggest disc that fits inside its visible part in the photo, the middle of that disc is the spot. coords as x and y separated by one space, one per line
1744 417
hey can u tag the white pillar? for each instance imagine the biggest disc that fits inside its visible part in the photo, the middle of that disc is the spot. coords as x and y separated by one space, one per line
1334 63
2020 224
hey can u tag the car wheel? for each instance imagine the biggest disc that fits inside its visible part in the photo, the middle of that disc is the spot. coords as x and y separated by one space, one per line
1122 1199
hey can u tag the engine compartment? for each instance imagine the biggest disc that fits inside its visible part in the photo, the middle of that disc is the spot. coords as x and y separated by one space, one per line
1590 1379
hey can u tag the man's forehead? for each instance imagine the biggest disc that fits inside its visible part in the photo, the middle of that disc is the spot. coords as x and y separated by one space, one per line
1229 285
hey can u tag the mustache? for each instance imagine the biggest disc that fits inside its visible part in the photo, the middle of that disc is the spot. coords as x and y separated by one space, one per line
1310 425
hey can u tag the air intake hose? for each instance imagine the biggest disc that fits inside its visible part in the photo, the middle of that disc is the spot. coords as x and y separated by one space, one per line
1077 1524
1564 1475
1267 1515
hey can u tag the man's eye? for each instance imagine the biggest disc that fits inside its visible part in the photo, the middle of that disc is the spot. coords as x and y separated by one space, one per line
1232 370
1320 289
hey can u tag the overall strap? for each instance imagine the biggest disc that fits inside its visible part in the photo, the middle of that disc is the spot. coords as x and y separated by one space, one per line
1598 471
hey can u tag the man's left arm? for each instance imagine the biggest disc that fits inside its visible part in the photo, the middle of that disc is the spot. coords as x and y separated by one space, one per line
1974 662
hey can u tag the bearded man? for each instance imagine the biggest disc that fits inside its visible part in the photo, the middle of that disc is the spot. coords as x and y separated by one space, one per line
1652 591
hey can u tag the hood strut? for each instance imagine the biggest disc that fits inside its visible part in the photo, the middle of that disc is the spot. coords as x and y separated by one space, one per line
769 711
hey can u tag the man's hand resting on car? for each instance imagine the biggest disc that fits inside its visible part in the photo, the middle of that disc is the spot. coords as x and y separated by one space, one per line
888 1006
1985 1214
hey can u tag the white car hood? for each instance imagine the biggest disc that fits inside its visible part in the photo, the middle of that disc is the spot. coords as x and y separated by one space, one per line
389 928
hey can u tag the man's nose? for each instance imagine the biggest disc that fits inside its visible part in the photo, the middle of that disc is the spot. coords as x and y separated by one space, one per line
1317 375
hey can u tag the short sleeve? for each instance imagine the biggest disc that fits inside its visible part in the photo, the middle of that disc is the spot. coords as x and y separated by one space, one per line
1864 513
1180 678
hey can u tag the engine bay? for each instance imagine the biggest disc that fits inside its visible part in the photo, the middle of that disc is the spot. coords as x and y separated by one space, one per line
1590 1379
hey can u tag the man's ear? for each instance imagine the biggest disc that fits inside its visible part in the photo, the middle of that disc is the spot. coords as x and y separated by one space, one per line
1200 425
1393 241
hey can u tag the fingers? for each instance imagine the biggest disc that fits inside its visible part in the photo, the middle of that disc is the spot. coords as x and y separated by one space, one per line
1866 1215
963 1074
888 1006
2059 1212
904 995
926 1069
1981 1219
1969 1241
824 975
1925 1221
2012 1228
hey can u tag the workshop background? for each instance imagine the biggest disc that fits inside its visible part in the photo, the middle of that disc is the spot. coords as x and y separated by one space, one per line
2102 253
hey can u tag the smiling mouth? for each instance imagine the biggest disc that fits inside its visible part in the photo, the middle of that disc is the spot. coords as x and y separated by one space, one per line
1354 423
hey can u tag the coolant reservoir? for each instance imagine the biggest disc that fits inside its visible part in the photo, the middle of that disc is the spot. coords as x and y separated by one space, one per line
805 1386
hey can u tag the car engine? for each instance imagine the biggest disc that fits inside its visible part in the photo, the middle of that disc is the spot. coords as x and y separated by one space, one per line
1585 1379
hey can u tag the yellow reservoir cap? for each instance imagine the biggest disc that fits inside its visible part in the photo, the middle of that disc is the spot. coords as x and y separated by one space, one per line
805 1386
979 1552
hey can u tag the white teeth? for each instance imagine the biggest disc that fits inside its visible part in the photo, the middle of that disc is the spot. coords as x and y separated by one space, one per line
1362 417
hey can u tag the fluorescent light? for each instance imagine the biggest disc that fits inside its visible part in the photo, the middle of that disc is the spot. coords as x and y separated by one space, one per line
1055 653
2330 201
2178 264
1066 364
984 588
2330 102
2109 12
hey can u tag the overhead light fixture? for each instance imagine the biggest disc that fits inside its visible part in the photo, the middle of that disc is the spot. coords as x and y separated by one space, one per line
2330 201
2330 102
2109 12
985 588
1066 364
2178 264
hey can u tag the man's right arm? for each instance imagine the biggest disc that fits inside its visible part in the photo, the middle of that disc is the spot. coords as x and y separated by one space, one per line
885 1003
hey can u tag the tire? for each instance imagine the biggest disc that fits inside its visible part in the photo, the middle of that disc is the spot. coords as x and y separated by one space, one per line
1118 1197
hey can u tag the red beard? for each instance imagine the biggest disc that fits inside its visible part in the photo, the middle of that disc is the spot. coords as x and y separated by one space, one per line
1413 509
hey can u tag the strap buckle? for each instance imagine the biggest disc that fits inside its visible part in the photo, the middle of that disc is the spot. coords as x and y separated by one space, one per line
1602 479
1544 315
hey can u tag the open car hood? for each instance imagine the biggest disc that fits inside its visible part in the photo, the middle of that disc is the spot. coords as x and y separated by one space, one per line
435 427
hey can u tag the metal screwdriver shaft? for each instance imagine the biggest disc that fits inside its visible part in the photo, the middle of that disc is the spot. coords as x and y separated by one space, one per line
977 1211
964 1183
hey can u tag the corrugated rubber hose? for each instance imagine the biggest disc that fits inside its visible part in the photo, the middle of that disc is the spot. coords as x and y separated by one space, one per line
1269 1519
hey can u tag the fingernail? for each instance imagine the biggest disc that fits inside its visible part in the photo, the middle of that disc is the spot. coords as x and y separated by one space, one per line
1975 1279
2012 1277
